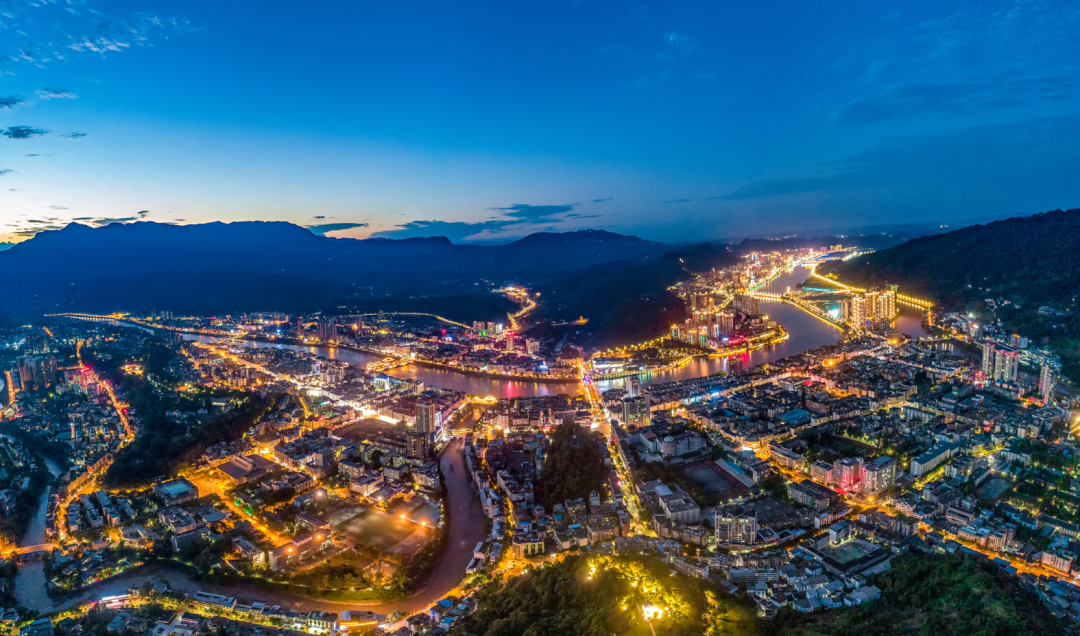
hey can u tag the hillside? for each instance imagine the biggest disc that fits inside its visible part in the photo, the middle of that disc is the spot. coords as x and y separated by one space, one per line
245 266
1028 261
628 301
922 594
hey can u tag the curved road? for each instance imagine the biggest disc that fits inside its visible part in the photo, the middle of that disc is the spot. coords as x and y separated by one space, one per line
466 528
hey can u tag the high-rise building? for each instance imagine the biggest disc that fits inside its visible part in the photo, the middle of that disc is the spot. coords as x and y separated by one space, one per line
636 410
879 475
726 322
988 355
1006 366
1047 382
747 304
733 524
426 416
868 307
532 347
37 371
848 473
633 386
326 329
419 445
478 326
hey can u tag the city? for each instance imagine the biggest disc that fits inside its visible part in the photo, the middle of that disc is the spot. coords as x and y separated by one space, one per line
252 451
554 319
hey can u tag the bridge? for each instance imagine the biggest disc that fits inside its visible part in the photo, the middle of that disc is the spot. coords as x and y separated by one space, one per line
415 313
766 295
28 552
913 302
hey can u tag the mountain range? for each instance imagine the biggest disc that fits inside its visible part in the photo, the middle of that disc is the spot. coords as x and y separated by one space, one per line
243 266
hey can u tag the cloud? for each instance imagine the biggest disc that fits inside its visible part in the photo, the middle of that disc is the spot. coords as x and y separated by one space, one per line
74 135
82 218
4 171
179 220
41 32
321 230
22 132
57 207
56 93
9 102
516 219
107 221
318 217
959 98
681 42
138 216
535 213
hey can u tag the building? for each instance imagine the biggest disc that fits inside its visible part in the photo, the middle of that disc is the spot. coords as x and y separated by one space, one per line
822 472
249 551
681 444
814 495
1059 560
871 307
786 459
988 354
932 458
879 475
848 473
177 491
633 386
636 410
427 418
419 445
1047 382
1006 366
326 330
680 507
733 524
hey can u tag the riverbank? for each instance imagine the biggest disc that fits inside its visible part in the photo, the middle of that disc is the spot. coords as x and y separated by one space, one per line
296 342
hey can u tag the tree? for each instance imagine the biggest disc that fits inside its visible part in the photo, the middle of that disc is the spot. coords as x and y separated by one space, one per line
573 467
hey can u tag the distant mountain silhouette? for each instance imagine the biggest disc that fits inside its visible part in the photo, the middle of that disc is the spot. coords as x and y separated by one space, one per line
244 266
6 246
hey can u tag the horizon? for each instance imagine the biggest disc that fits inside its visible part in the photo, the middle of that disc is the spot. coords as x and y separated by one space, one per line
657 122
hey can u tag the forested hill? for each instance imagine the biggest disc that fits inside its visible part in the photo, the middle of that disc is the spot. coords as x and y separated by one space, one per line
1032 258
1028 261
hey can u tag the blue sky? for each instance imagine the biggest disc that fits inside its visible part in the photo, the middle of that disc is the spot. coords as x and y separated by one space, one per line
486 121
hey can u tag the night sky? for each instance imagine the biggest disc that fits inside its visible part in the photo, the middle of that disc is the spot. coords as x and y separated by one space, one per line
674 121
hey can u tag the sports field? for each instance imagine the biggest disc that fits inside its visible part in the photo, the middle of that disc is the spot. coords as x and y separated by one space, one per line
368 526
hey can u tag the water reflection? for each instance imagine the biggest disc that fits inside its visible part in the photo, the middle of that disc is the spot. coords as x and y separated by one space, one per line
441 378
805 332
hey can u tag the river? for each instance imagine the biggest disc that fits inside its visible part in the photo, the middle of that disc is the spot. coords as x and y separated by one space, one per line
437 377
30 581
804 332
466 518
